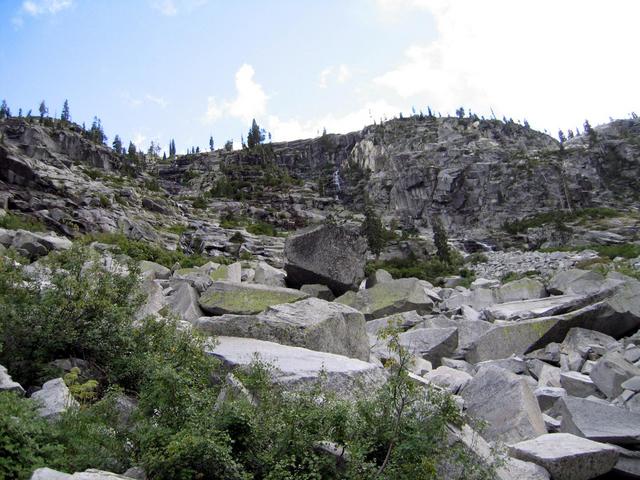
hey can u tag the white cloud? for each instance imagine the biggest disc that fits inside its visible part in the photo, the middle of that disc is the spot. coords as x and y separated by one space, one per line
165 7
214 111
554 63
160 101
171 8
292 129
135 102
35 8
39 7
138 140
339 74
250 101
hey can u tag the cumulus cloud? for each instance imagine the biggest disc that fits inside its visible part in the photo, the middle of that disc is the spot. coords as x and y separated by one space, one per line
40 7
171 8
291 129
554 63
35 8
250 100
334 73
135 102
160 101
166 7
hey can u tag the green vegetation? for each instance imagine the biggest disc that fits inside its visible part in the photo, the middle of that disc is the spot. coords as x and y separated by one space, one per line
512 276
14 221
374 231
430 270
176 431
558 218
141 250
200 202
441 239
178 229
624 250
262 228
250 176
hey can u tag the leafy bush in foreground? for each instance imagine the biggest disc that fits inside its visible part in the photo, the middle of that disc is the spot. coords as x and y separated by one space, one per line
177 431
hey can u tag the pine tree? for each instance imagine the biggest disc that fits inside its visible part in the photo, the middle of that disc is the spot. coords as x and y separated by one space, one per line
4 110
117 144
96 133
66 116
211 143
255 135
591 133
172 148
20 112
228 146
43 109
373 230
441 240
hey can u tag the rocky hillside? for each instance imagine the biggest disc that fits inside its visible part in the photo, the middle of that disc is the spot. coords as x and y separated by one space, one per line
172 318
493 184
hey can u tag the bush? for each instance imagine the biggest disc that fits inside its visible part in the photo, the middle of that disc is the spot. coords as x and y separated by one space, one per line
623 250
398 431
24 438
141 250
558 218
200 202
262 228
85 313
14 221
430 270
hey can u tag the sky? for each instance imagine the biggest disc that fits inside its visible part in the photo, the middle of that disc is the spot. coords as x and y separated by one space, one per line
153 70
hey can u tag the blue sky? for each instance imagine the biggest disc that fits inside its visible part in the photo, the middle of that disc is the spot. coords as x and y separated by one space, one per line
187 69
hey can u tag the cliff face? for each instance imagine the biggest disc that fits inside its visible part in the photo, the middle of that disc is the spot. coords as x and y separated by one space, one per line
474 174
479 174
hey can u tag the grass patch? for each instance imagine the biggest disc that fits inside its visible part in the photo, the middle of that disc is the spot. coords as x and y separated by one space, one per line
558 218
140 250
624 250
262 228
430 270
178 229
12 221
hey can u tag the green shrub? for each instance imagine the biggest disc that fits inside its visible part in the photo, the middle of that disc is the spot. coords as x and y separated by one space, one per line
94 436
24 438
141 250
476 258
624 250
200 202
237 237
429 270
262 228
558 218
14 221
85 313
